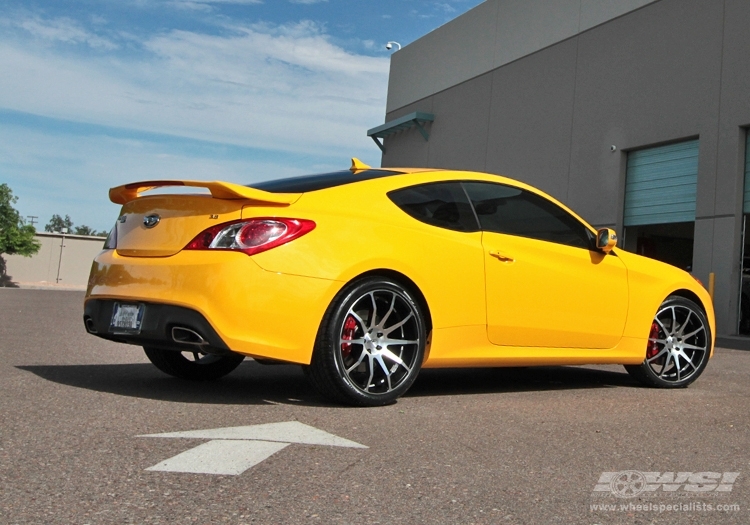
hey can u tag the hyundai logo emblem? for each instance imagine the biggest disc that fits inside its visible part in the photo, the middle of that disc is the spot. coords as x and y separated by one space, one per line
149 221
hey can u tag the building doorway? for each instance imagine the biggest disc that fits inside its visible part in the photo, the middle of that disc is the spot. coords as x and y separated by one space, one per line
743 323
660 190
669 243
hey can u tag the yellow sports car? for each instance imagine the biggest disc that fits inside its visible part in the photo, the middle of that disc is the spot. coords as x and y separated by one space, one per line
364 276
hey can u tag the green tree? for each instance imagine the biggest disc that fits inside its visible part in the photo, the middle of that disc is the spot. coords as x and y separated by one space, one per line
15 236
57 223
84 230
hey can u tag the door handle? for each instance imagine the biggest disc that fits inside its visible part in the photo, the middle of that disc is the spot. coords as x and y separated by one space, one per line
501 256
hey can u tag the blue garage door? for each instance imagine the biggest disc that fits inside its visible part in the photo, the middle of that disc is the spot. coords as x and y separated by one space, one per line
661 184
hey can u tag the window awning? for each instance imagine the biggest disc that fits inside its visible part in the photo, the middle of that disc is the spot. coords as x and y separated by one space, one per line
416 119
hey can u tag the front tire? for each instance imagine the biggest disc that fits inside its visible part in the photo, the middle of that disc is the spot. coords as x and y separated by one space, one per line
194 366
370 345
678 348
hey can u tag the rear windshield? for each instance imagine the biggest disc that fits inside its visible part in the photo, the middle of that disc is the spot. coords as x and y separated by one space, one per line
320 181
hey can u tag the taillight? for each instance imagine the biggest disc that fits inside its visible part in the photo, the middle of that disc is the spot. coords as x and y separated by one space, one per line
251 236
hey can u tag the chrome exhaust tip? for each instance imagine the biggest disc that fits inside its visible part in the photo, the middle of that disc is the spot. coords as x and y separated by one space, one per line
186 336
90 326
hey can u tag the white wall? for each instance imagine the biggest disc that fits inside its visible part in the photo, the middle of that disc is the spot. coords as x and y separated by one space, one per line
72 260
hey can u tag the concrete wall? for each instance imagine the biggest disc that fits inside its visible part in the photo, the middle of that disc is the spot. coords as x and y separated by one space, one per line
489 36
74 265
672 70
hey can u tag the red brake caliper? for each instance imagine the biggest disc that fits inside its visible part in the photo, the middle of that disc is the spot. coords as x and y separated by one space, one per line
350 326
652 349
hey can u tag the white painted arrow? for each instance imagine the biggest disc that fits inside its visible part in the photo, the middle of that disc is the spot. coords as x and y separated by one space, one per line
233 450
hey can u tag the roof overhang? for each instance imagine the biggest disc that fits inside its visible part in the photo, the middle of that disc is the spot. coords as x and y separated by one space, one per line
416 119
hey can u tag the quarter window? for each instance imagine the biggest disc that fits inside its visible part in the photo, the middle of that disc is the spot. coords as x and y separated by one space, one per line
442 204
505 209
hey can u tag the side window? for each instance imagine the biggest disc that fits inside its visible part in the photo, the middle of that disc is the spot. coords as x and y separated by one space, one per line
442 204
505 209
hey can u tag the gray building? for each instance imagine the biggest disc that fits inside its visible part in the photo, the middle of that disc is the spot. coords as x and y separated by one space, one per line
633 112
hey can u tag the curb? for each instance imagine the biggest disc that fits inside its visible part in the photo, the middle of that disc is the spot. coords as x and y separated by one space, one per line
45 286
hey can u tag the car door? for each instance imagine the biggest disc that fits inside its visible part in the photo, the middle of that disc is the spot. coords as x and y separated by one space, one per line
545 284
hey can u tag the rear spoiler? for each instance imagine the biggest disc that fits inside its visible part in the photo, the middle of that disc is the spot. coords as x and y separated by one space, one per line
219 190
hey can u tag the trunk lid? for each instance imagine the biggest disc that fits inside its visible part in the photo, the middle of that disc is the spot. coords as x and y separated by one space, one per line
176 220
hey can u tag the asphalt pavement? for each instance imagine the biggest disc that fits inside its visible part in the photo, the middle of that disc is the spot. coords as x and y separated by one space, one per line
548 445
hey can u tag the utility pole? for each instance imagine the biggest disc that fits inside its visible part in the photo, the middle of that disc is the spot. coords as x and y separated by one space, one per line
32 219
59 261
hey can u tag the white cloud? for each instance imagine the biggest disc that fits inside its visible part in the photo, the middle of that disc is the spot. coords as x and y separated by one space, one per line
61 30
205 5
445 7
306 1
71 174
277 87
287 89
238 2
187 4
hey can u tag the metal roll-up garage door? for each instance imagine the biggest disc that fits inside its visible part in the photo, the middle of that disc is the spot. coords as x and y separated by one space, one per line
660 185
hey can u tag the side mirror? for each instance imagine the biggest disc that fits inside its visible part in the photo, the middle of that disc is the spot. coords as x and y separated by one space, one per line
606 239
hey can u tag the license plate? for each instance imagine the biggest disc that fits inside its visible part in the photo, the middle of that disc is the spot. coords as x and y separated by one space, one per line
126 319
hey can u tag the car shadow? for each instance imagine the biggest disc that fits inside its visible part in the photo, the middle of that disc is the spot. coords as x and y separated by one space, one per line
255 384
250 384
441 382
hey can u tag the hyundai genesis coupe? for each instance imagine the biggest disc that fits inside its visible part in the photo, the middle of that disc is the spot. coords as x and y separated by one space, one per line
365 276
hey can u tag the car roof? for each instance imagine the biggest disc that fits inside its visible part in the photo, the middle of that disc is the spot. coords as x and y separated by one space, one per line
321 181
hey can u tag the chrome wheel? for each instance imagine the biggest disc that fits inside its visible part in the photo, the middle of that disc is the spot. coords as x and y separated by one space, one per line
678 347
678 342
371 344
379 343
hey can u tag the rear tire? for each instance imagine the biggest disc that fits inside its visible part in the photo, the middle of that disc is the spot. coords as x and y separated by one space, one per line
370 344
678 346
202 367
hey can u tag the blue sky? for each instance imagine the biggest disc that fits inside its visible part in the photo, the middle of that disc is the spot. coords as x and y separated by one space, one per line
97 93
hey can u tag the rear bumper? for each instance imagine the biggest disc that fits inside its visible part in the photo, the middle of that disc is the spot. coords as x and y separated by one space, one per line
164 326
225 297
